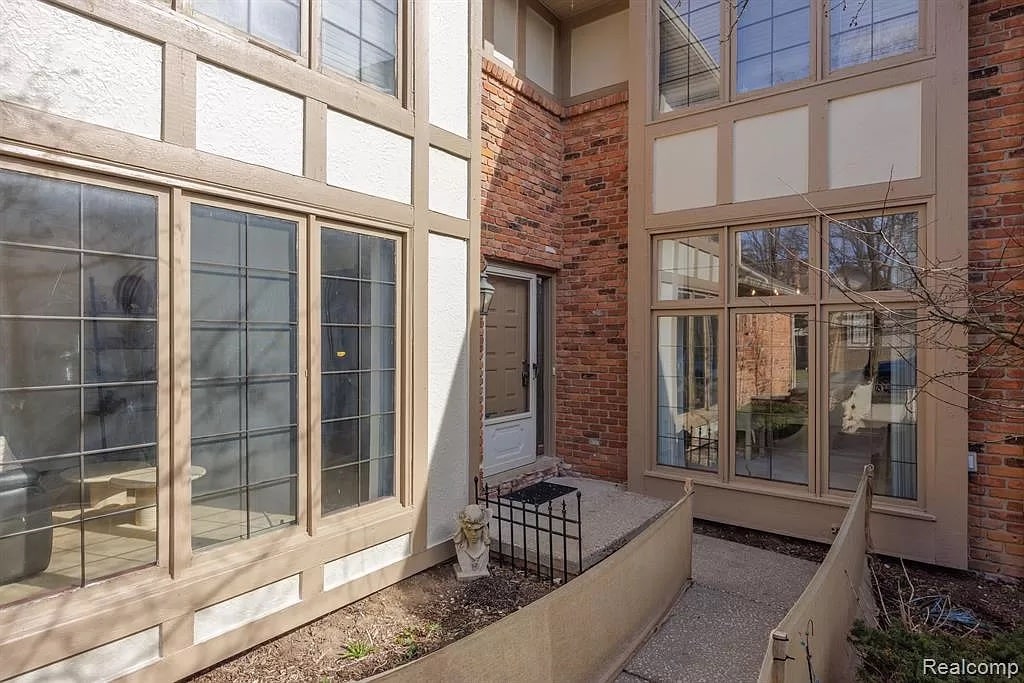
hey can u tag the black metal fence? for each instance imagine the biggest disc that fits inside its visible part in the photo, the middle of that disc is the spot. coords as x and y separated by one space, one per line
550 522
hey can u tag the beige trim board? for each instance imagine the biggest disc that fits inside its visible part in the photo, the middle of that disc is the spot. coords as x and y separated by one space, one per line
168 164
188 660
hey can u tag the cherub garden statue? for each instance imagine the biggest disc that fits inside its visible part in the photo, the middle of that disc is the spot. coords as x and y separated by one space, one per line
472 543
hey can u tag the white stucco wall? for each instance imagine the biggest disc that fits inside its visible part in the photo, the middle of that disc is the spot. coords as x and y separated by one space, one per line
103 663
448 386
449 183
770 155
686 170
68 65
505 31
215 620
540 51
239 118
448 35
600 53
873 134
349 568
365 158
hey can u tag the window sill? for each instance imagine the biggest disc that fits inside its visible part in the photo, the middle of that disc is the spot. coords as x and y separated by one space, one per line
885 506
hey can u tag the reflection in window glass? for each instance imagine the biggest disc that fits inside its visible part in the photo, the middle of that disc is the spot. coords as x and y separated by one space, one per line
771 385
358 321
276 21
772 262
359 38
867 30
872 401
78 372
689 52
688 392
772 42
244 364
688 268
873 254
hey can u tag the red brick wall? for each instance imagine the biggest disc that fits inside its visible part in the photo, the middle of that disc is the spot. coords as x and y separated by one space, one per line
590 342
996 190
554 199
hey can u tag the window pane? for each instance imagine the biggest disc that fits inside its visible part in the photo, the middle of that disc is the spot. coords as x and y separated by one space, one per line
688 392
688 268
36 210
689 52
121 222
872 29
872 401
873 254
359 39
244 374
358 360
771 386
36 353
102 402
39 282
276 21
772 43
231 12
772 262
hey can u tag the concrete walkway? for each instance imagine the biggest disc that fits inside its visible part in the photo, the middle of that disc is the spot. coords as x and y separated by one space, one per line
718 629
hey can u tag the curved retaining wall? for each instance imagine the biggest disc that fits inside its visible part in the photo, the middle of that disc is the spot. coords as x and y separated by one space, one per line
821 618
585 630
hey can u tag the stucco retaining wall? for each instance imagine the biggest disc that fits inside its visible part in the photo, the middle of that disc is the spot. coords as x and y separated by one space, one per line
585 630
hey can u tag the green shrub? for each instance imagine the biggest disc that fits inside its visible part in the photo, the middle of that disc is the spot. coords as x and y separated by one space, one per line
896 655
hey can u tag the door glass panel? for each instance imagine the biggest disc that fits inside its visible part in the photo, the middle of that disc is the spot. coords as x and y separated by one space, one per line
508 348
771 385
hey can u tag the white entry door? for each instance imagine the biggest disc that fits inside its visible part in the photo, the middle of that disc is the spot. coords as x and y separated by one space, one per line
510 372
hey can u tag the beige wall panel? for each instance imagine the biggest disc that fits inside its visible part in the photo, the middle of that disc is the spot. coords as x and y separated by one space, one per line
874 134
448 42
600 53
368 159
685 170
449 184
770 155
239 118
103 663
218 619
66 64
351 567
448 388
540 51
505 36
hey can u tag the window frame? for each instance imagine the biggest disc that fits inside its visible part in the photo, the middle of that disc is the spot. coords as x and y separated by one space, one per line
819 72
187 7
813 48
401 495
163 545
817 303
216 553
403 48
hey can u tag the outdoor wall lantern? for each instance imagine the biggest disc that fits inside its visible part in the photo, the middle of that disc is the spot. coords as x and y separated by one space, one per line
486 292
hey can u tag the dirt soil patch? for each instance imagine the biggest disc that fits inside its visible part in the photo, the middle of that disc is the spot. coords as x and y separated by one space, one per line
998 606
391 627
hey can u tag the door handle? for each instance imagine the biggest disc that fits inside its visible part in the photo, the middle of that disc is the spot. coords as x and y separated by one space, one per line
526 374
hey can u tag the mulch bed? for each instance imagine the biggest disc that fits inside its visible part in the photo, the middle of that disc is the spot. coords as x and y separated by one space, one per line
391 627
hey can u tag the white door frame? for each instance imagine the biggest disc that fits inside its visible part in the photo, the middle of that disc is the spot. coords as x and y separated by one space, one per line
528 419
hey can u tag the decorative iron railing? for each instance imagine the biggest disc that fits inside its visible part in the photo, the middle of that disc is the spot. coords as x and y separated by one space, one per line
535 514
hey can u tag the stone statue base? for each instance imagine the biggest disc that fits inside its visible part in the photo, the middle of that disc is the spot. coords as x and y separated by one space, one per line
472 575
